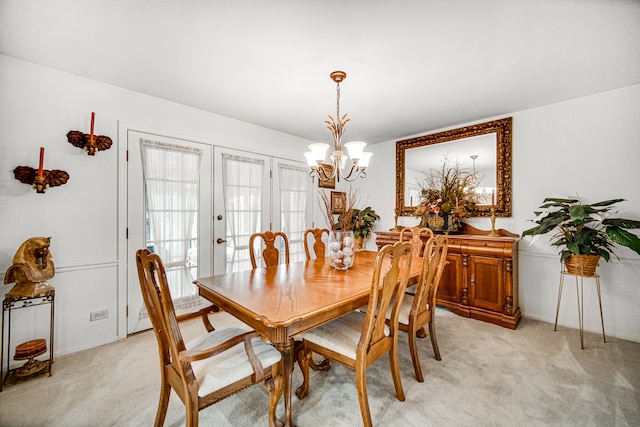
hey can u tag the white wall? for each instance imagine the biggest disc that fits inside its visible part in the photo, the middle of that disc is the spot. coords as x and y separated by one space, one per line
587 146
38 106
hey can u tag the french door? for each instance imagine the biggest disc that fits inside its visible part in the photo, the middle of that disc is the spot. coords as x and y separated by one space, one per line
169 213
254 193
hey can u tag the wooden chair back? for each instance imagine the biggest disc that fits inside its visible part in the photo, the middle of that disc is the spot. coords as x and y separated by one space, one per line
176 360
270 254
415 236
319 248
151 274
420 307
387 287
430 275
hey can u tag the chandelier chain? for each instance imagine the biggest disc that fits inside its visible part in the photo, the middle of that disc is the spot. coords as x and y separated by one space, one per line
338 103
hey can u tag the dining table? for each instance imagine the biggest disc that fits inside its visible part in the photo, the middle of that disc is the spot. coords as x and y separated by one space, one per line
284 300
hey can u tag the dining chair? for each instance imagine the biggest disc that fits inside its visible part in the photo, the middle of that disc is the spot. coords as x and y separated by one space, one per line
414 235
358 339
270 254
319 247
418 310
212 366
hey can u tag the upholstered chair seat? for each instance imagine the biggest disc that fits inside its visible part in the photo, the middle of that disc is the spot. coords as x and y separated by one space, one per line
230 366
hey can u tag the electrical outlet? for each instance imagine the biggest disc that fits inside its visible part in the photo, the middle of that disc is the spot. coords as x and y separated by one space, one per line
98 315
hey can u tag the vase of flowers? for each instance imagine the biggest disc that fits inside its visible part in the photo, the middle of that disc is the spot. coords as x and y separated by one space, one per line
446 196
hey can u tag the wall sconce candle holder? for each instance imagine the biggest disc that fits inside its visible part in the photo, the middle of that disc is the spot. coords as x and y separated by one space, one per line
49 178
87 143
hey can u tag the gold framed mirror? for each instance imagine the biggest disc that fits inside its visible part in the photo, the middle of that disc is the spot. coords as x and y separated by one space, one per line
484 148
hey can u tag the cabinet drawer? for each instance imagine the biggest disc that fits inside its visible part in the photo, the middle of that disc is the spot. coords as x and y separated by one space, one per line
488 247
456 243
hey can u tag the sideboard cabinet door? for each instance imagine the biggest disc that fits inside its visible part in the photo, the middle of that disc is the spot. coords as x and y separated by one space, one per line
486 280
452 293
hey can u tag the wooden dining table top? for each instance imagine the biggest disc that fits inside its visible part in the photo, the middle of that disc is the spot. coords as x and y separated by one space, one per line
284 300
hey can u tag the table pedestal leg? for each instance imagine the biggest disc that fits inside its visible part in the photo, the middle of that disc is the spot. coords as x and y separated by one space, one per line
286 349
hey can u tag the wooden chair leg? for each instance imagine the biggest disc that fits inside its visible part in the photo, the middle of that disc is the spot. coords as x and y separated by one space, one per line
274 386
434 339
207 324
304 355
395 370
191 405
413 350
363 398
165 393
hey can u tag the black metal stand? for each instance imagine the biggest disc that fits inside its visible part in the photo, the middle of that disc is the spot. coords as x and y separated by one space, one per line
8 376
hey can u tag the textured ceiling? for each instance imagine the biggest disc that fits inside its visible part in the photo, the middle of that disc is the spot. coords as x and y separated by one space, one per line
412 66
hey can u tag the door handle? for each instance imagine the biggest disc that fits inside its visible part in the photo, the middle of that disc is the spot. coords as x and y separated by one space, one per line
220 240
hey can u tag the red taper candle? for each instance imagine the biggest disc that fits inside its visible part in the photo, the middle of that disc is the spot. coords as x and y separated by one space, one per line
41 161
93 119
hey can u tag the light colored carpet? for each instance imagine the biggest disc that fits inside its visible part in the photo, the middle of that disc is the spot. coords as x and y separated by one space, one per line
488 376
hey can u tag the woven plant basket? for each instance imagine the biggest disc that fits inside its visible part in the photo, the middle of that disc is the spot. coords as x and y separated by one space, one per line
582 265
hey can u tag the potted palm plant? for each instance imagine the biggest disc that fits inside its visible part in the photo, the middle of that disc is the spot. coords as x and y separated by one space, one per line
584 232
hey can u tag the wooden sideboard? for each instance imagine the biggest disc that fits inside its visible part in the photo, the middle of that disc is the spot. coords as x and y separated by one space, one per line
481 278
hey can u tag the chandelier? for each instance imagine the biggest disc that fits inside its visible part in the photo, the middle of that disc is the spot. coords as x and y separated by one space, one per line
342 166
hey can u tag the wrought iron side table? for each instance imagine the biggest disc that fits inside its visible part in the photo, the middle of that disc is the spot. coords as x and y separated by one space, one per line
10 303
580 277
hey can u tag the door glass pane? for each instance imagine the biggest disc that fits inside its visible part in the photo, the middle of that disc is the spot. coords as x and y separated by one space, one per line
242 179
294 212
171 180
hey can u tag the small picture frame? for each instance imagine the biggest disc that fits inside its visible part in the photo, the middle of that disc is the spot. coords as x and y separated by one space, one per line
331 183
338 202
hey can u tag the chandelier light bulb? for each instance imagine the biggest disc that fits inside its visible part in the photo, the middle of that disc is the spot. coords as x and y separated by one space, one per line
319 151
355 149
363 162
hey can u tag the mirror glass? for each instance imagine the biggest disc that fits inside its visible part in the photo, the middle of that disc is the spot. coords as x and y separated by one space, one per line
483 149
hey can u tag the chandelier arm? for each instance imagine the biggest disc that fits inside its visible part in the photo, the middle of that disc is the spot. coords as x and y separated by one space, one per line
322 173
354 168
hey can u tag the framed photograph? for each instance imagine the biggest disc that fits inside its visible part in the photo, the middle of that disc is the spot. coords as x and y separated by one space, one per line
328 169
338 202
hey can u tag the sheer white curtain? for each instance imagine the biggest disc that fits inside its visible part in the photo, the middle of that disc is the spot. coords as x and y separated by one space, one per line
293 206
172 180
243 193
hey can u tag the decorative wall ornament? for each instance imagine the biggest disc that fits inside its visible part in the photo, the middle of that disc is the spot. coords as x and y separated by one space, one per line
89 142
49 178
39 178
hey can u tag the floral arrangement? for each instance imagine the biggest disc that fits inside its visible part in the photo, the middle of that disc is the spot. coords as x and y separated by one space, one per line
449 190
